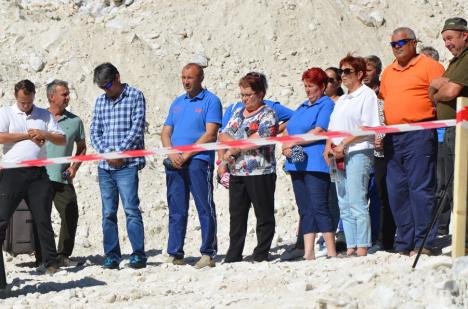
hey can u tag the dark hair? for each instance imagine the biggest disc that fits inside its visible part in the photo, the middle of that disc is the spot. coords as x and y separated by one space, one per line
255 81
201 73
316 76
339 91
358 64
262 77
374 61
53 85
104 73
26 85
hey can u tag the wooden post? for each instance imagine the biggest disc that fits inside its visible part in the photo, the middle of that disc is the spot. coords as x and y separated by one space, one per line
460 179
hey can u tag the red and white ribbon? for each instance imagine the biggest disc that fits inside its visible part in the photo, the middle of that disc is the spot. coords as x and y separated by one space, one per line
462 116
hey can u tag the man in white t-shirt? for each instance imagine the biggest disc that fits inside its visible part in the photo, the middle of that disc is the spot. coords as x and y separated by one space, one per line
24 129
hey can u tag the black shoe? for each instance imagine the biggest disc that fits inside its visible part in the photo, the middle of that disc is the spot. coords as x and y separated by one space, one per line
340 242
136 261
110 263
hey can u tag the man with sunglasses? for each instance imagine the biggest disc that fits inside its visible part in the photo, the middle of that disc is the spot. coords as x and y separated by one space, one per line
118 125
445 90
410 156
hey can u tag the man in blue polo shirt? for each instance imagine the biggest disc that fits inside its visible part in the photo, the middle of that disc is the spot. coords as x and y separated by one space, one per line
193 118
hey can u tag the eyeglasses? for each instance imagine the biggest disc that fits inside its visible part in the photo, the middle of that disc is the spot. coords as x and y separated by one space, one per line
331 80
347 71
106 86
247 95
400 43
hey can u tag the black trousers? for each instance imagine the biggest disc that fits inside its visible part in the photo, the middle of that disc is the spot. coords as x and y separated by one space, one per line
33 185
387 230
65 201
244 191
445 166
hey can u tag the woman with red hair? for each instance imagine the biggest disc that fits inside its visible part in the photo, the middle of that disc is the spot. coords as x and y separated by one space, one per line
354 110
309 171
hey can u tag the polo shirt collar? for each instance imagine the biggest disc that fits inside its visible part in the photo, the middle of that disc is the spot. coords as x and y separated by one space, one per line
316 103
396 66
199 96
357 92
18 111
460 56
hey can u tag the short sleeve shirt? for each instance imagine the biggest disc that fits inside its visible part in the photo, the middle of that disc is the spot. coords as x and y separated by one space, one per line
13 120
188 118
261 160
74 132
405 90
353 111
457 72
304 119
282 112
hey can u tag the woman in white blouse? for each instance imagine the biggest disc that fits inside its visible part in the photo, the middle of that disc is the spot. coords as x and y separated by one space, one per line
355 109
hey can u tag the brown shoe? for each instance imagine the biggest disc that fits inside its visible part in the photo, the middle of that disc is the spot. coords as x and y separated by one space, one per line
424 251
205 261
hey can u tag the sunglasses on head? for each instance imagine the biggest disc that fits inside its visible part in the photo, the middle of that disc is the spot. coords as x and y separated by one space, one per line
106 86
346 71
400 43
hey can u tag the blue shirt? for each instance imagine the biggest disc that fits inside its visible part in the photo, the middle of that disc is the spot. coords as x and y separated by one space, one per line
282 112
305 118
119 125
188 118
440 135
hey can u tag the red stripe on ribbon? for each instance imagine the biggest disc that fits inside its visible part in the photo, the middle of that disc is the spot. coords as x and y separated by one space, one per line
285 139
239 144
88 157
381 129
188 148
462 115
40 162
335 134
427 125
138 153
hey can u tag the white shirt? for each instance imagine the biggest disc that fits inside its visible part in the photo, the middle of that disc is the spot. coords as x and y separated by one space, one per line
13 120
353 111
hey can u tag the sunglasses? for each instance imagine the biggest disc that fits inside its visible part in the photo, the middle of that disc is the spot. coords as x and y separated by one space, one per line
106 86
400 43
347 71
331 80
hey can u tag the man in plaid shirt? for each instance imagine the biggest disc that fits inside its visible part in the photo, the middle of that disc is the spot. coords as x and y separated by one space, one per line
118 125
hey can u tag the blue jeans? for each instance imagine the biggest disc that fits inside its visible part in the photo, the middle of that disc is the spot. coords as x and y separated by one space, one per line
352 198
195 178
123 182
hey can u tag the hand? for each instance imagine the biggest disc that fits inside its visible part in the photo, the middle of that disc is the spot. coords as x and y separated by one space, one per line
177 160
71 173
326 155
116 163
228 156
338 151
287 152
222 169
38 142
37 134
378 144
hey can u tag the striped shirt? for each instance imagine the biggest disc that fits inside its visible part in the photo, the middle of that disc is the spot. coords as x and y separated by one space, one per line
119 125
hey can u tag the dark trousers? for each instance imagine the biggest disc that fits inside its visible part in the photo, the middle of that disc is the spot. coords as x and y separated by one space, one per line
66 203
259 191
445 166
387 228
311 192
33 185
195 178
411 183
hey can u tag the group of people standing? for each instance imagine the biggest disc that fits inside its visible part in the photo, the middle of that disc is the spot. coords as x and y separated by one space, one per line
402 165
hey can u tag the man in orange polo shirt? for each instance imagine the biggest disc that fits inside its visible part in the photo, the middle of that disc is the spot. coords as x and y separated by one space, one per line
410 156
